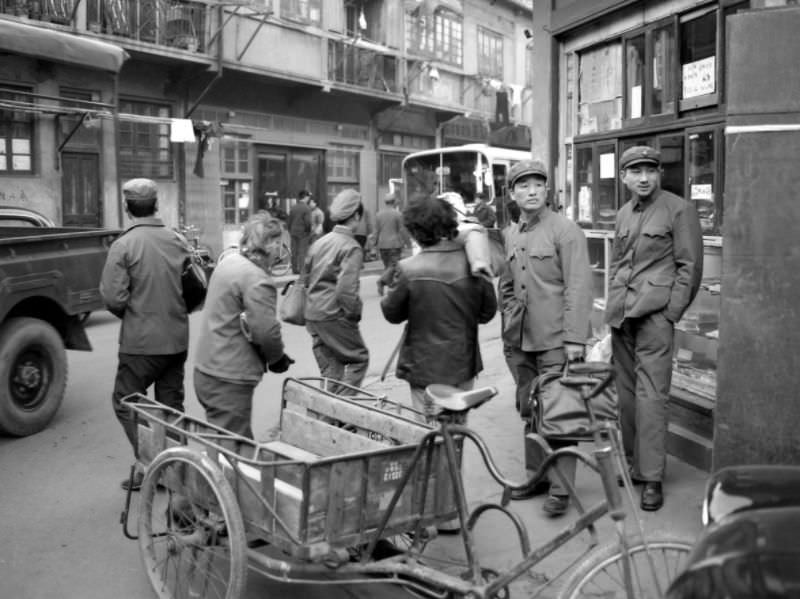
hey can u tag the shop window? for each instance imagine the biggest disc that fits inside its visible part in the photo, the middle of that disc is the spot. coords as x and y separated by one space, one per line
650 71
16 131
673 171
698 58
308 12
235 158
144 147
439 36
596 177
490 53
235 201
390 166
703 182
600 89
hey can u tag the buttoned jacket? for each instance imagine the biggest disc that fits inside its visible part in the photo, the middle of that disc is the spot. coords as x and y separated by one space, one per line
390 233
332 271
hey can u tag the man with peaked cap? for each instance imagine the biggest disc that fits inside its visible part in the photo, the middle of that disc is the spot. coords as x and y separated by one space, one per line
390 236
656 267
141 285
333 305
545 297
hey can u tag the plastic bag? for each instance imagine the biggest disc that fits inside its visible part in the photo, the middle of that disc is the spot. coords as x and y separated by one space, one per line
600 351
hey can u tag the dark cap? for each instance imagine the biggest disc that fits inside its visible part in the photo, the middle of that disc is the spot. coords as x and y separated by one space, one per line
140 190
344 205
525 168
639 154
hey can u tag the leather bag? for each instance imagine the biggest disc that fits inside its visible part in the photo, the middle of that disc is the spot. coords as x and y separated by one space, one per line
194 284
293 305
560 412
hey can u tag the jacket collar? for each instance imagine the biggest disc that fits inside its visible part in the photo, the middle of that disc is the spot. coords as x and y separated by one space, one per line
146 221
524 225
344 230
445 245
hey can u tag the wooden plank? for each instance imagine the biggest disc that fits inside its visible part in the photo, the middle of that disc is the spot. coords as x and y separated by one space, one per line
385 423
321 438
291 452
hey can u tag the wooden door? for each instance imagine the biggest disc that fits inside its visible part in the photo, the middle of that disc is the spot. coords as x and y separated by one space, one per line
80 190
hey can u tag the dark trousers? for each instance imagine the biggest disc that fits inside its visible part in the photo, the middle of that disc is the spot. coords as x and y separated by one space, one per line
528 366
340 351
299 250
228 405
642 349
390 258
135 373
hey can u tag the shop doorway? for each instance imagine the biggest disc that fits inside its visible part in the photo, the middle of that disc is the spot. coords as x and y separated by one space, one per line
281 173
80 190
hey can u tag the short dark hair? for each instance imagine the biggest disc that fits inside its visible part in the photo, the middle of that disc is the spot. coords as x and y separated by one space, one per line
431 220
304 194
141 208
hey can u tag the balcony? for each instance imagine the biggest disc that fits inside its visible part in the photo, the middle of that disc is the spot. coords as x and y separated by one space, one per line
174 24
350 63
55 11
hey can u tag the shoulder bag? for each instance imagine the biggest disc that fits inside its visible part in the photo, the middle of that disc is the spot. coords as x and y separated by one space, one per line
194 284
293 305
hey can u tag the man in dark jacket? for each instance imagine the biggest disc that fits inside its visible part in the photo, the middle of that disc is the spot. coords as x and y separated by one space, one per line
443 303
390 236
141 284
299 225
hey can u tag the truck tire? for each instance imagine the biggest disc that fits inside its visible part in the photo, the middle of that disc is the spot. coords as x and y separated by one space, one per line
33 375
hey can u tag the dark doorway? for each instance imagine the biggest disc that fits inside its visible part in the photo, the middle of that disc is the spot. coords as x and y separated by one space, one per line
80 190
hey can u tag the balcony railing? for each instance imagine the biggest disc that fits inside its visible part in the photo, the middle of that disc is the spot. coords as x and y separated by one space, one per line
56 11
363 67
176 24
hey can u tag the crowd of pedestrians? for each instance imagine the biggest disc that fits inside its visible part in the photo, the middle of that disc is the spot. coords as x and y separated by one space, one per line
544 296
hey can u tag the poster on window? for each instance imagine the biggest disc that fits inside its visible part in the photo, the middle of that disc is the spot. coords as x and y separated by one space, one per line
699 77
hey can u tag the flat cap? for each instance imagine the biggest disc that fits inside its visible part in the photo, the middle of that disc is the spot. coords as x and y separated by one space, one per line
639 154
524 168
140 189
344 205
390 198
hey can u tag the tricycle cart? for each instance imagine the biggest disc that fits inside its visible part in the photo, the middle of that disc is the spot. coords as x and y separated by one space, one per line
347 479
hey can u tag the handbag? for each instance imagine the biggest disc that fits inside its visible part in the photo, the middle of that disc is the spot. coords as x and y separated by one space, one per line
293 305
560 412
194 284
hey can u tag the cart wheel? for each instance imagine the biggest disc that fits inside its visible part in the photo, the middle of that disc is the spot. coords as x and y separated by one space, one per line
601 572
191 533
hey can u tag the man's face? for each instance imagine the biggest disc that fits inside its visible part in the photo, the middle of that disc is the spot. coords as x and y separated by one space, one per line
642 179
530 193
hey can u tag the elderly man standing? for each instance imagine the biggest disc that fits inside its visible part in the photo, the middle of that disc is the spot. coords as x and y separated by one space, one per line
141 285
546 301
656 268
390 237
333 305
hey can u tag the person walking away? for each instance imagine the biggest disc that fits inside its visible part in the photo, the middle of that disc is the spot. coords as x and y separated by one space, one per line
364 229
317 220
546 299
482 212
442 303
390 237
240 336
333 305
141 285
299 224
655 273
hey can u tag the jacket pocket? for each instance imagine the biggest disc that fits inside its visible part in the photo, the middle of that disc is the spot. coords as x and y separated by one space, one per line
655 295
542 252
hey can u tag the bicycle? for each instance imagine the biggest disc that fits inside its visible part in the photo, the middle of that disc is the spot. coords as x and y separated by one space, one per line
349 473
201 253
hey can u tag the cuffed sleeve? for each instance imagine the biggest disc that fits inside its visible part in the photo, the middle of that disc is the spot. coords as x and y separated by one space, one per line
115 282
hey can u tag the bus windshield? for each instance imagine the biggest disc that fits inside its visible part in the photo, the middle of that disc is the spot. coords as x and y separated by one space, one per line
464 172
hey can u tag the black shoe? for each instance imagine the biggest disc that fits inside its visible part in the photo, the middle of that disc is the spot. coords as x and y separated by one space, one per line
138 477
635 481
556 505
652 496
539 488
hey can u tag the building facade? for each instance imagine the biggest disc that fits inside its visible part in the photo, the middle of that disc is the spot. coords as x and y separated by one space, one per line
236 107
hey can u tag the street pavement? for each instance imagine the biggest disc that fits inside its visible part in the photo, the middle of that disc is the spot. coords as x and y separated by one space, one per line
60 498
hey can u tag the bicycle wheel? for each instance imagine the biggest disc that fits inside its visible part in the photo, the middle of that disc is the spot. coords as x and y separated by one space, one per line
191 534
601 573
283 262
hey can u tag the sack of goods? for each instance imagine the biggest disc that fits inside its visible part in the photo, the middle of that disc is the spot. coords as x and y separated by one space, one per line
560 412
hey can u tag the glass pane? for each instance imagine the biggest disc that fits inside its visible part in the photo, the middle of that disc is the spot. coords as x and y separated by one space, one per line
606 205
702 181
672 178
600 89
663 98
634 70
583 184
698 55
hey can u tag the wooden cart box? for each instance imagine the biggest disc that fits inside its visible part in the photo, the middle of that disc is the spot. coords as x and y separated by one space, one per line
328 478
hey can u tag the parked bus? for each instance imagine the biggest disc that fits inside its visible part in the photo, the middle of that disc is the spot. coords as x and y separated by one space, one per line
468 170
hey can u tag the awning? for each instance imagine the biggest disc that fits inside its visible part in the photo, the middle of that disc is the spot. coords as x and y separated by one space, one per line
57 46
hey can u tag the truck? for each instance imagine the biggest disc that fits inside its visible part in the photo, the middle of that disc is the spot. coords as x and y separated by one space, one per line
49 279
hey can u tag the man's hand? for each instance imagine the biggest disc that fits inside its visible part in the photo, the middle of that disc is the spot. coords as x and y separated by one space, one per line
282 364
574 351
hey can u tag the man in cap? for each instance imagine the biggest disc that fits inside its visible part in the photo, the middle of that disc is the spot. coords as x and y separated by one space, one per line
299 224
656 267
390 237
545 297
333 304
141 284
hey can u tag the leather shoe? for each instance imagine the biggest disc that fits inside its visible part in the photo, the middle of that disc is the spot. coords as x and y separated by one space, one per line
540 488
652 496
556 505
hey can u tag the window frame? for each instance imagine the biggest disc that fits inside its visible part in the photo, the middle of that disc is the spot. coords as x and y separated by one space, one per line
160 131
490 48
425 36
292 10
8 138
712 99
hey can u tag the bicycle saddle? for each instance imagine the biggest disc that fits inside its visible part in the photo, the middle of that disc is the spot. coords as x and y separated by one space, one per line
457 400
